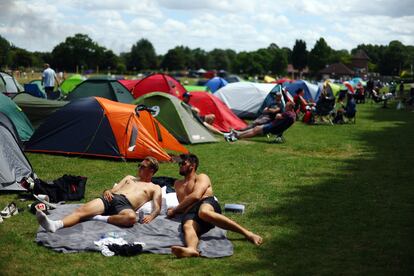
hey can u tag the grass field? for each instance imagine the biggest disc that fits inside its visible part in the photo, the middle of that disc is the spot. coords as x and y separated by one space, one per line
331 200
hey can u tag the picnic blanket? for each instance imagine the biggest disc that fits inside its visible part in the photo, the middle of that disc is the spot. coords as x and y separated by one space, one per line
158 236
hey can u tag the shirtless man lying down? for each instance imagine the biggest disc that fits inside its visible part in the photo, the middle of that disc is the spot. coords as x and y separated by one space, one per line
117 205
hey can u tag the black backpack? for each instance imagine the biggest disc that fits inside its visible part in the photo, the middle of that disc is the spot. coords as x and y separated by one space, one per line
65 188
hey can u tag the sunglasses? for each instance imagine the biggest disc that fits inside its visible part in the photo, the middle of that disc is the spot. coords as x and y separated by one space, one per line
142 166
182 163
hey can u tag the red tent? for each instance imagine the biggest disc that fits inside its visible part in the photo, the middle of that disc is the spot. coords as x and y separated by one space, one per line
209 104
129 84
158 83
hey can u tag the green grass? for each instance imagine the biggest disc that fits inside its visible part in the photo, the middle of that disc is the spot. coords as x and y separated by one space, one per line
331 200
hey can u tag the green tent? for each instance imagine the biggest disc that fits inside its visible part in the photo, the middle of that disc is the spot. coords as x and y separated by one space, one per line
70 83
190 88
335 88
37 109
16 115
104 87
176 117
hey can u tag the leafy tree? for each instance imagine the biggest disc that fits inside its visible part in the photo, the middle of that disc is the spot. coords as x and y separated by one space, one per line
342 56
247 63
4 51
21 58
299 55
142 56
219 60
319 56
393 59
78 50
174 59
200 59
279 62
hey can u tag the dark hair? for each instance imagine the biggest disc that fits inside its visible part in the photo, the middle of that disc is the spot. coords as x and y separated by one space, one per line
153 163
192 158
299 90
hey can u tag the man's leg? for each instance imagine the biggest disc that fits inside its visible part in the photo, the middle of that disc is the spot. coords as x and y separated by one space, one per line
126 218
208 214
90 209
190 229
257 130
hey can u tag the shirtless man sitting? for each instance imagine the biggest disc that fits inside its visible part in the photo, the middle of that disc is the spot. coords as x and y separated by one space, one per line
201 211
117 205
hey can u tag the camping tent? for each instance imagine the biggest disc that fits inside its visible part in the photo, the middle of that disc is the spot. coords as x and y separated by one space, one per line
158 83
19 119
100 127
14 165
178 119
209 104
216 83
70 83
9 85
244 98
270 99
129 84
312 91
269 79
37 109
104 87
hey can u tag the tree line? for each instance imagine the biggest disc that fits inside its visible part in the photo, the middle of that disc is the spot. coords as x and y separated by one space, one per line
80 52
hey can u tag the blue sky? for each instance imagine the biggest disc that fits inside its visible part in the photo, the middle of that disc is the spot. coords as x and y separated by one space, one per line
241 25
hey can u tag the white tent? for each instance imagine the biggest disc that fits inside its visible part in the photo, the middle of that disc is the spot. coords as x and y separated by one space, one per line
244 98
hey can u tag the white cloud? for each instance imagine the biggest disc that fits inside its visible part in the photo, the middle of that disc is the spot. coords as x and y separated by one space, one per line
237 24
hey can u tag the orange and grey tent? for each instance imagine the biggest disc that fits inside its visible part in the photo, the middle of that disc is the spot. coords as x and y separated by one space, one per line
100 127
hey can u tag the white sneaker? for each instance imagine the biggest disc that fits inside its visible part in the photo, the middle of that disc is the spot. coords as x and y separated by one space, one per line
9 210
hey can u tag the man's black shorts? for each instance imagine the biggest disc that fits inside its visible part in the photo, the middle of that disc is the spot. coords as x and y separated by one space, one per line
192 214
117 204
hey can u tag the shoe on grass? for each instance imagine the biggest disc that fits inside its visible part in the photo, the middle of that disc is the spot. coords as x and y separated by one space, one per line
9 210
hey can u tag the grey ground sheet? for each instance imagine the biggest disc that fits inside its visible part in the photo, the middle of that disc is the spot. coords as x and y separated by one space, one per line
158 236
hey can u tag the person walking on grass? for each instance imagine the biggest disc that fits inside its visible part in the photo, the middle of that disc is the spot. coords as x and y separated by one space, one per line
117 205
201 212
48 80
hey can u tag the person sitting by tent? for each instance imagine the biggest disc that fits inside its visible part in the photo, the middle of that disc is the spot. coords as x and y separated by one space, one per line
269 112
325 106
207 120
117 205
302 107
359 93
347 111
281 122
380 98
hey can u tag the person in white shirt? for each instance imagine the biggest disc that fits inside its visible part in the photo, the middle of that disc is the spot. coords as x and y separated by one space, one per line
48 80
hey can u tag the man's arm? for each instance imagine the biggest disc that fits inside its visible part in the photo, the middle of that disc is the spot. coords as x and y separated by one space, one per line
156 198
108 193
203 182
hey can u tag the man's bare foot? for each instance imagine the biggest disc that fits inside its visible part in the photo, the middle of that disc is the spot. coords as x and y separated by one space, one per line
255 239
183 252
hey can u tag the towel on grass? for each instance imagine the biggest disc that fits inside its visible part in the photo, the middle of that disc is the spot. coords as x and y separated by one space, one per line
158 236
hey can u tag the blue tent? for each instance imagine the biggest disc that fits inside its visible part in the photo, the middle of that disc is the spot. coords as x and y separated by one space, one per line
216 83
312 91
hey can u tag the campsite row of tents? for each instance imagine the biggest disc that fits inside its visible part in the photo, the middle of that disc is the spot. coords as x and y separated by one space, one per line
124 119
